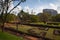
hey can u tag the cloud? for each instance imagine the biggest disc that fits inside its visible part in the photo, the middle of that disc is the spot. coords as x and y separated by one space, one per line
35 10
27 9
53 6
11 6
16 10
39 9
58 9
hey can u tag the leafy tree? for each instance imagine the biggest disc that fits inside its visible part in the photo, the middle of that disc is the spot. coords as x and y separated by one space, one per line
27 18
56 18
11 17
53 19
23 16
4 7
44 17
34 18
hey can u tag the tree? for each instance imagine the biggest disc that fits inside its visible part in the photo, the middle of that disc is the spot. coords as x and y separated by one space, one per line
4 7
34 18
11 17
27 18
44 17
53 19
56 18
23 16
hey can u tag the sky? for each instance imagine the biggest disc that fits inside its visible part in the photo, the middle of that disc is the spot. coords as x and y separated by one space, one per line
37 5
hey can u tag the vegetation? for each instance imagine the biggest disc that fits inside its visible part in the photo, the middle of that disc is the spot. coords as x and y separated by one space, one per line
7 36
9 18
24 18
41 17
56 18
38 31
4 8
34 18
44 17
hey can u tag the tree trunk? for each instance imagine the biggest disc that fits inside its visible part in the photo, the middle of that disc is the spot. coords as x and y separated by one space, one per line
3 27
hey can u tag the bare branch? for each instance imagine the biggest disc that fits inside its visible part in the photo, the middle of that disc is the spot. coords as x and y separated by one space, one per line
14 7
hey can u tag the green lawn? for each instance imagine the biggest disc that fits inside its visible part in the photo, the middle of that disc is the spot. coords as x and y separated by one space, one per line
7 36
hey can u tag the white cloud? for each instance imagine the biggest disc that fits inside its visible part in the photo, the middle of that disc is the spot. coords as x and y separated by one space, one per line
27 9
39 9
35 10
53 6
58 9
16 10
11 6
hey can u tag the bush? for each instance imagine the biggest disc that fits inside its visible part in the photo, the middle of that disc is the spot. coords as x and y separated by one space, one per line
54 23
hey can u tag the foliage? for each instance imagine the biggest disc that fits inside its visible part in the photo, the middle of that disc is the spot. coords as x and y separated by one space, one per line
4 9
44 17
23 16
34 18
56 18
27 17
11 17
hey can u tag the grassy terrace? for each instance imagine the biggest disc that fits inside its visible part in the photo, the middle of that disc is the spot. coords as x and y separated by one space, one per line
7 36
49 33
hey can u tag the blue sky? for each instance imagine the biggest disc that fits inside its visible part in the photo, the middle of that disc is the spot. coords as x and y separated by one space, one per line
38 5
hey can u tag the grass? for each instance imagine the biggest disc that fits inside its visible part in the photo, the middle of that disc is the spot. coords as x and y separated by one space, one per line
7 36
49 33
38 23
25 28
